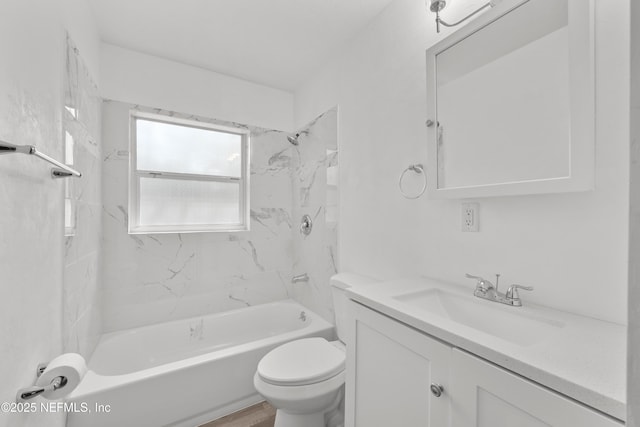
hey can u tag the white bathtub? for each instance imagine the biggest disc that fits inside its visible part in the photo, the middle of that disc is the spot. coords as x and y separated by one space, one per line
186 372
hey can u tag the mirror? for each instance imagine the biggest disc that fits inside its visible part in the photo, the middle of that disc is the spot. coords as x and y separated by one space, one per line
511 102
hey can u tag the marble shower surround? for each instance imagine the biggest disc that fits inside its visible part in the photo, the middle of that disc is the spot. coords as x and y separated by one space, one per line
151 278
315 192
81 324
32 49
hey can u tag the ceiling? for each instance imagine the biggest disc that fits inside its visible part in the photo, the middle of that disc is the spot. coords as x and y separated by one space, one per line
277 43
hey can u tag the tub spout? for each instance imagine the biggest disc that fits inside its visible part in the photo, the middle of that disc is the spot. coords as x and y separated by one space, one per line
300 278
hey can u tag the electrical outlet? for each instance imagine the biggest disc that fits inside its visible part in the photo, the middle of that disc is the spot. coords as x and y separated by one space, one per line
470 217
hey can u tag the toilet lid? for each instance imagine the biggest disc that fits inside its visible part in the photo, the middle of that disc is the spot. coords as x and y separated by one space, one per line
300 362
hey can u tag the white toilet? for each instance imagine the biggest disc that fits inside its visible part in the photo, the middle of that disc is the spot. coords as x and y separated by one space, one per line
304 379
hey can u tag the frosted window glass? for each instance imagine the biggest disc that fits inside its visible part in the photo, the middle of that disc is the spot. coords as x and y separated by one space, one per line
183 149
179 201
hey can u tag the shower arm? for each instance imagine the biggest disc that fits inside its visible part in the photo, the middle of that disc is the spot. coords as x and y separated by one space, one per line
439 21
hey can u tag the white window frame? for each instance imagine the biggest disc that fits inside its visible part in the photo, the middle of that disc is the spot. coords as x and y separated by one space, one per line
134 226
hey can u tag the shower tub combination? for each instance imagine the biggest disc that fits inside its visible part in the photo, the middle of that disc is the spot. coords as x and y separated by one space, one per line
186 372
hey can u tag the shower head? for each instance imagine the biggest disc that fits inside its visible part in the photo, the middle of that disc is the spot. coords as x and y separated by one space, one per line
437 5
293 139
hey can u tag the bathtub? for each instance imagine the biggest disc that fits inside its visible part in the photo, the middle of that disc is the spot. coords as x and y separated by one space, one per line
185 372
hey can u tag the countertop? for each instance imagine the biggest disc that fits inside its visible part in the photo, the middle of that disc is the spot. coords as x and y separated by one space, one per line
584 360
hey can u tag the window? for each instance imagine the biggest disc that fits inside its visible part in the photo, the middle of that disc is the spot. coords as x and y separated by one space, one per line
186 176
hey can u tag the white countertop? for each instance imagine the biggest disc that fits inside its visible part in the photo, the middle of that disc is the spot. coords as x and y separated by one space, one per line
585 359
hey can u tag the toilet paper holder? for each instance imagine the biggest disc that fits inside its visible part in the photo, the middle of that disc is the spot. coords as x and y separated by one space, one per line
28 393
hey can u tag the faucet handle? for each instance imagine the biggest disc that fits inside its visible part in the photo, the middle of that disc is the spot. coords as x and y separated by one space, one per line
483 285
512 292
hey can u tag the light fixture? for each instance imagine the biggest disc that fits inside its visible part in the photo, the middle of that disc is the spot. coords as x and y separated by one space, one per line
437 5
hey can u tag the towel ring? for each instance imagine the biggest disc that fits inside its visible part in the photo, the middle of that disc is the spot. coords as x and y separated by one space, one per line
417 168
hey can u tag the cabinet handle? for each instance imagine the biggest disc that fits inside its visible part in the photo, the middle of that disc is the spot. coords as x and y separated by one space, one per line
436 389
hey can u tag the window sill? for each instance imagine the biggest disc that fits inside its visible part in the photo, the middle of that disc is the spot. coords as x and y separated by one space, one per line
178 229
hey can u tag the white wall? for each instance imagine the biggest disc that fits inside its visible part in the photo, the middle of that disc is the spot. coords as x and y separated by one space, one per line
138 78
31 203
571 247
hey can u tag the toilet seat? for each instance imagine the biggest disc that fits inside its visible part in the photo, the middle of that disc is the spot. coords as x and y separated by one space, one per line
302 362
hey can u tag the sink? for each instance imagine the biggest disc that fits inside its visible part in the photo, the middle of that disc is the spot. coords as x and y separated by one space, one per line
512 324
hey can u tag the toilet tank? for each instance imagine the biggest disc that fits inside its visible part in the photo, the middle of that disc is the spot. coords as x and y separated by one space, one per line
339 283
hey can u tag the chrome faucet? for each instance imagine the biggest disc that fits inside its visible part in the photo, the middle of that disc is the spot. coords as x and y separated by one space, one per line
487 290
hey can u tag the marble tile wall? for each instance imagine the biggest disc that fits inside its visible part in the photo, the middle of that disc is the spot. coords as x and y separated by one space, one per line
633 343
315 192
81 119
151 278
31 235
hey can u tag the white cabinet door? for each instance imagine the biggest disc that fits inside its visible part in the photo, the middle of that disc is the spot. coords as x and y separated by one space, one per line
488 396
390 368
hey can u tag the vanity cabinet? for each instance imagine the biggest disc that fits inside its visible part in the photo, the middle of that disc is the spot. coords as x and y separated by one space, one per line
392 368
486 395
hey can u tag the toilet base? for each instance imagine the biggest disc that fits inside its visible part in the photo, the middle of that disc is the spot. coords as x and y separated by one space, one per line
332 416
284 419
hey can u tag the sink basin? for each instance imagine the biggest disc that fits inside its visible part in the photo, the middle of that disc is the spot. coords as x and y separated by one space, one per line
501 321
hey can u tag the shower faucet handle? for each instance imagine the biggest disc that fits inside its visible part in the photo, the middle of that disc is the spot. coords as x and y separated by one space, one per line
306 225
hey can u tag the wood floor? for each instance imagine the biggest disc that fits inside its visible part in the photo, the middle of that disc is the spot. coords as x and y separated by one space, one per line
259 415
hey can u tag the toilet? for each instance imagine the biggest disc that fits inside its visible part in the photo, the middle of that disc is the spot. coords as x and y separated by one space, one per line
304 379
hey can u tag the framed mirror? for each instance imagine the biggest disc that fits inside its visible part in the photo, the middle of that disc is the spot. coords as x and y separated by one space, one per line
510 102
